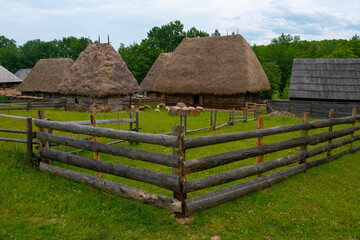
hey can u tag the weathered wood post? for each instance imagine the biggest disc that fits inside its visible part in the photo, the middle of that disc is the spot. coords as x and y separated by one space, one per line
331 116
260 159
211 118
179 151
245 114
214 126
229 121
185 121
352 125
304 119
28 106
131 124
181 118
95 139
41 115
256 112
29 140
137 124
233 117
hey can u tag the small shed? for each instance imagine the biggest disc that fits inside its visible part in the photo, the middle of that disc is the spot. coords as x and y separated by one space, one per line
45 77
213 72
7 79
99 75
318 85
147 86
22 73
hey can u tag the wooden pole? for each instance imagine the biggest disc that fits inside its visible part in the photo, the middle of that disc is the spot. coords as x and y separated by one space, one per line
229 116
130 103
214 126
41 115
245 114
29 138
181 118
137 124
95 139
331 116
131 124
179 151
185 121
260 159
233 117
353 125
304 120
211 118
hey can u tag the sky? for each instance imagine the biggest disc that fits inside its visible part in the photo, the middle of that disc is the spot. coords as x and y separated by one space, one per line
129 21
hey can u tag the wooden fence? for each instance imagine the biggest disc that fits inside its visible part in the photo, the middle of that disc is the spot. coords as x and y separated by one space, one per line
9 105
176 182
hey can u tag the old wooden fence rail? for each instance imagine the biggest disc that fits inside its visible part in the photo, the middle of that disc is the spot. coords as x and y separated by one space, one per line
30 104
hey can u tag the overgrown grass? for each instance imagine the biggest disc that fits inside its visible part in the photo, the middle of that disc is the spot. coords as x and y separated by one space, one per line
323 203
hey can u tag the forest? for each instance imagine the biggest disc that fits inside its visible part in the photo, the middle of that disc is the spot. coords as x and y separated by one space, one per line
276 58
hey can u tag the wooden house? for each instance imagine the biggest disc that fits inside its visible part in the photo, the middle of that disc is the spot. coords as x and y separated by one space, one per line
99 75
147 86
318 85
7 79
45 77
213 72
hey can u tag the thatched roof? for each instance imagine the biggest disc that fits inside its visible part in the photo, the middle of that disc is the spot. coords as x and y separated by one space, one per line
99 71
46 75
8 77
213 65
149 81
332 79
22 73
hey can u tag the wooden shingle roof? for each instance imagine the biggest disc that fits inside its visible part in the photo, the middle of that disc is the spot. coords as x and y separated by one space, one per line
8 77
325 79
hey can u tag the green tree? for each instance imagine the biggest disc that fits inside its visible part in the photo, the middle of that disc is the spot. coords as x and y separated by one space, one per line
216 33
354 45
273 73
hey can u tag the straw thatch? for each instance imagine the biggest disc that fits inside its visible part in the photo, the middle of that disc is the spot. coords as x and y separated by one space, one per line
99 71
149 81
213 65
46 75
22 73
326 79
7 77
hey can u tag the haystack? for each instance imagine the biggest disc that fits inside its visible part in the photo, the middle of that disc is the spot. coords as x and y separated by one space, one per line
46 76
216 71
99 72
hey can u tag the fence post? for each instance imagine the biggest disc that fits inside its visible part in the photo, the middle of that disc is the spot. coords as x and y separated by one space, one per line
181 117
131 124
179 151
137 124
353 125
256 112
245 114
304 119
28 106
185 121
29 140
260 159
331 116
233 117
229 121
211 118
95 139
41 115
214 126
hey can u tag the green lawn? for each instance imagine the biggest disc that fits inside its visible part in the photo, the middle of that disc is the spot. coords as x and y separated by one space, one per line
323 203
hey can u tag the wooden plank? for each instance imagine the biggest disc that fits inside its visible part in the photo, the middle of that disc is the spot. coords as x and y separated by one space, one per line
13 117
179 152
304 132
214 126
118 189
331 116
95 139
195 165
105 121
13 131
164 180
29 140
158 139
41 115
353 125
153 157
229 137
260 159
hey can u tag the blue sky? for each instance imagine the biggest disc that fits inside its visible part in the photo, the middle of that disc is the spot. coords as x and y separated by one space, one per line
129 21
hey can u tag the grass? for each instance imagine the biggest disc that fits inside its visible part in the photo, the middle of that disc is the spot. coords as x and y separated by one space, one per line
323 203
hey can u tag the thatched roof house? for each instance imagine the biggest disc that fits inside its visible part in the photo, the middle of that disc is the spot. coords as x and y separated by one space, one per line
45 77
22 73
7 79
216 71
318 85
149 81
327 79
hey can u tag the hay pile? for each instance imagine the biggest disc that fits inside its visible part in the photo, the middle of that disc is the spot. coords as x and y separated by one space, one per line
148 83
281 114
181 109
99 71
47 75
213 65
99 108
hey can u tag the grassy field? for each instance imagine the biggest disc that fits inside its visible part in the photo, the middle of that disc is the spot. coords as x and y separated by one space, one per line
323 203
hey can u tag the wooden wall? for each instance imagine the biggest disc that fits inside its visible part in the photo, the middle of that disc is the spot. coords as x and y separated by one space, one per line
318 109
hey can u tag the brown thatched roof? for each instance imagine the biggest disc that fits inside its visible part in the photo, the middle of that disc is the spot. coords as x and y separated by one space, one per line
214 65
46 75
99 71
149 81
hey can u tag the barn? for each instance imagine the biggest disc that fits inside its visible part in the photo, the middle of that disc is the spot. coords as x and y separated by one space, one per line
213 72
7 79
99 75
318 85
45 77
148 84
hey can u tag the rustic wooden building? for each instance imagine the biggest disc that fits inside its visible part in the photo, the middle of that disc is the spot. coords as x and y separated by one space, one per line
318 85
45 77
213 72
99 75
22 73
147 86
7 79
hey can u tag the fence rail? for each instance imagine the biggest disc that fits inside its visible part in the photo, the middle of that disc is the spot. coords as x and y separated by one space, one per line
30 104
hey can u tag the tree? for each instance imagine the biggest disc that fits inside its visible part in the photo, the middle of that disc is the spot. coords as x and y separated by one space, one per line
193 32
354 45
216 33
273 73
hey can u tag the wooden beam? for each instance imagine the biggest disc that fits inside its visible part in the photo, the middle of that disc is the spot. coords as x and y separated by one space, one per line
13 131
41 115
353 125
260 159
331 116
29 144
95 139
304 132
